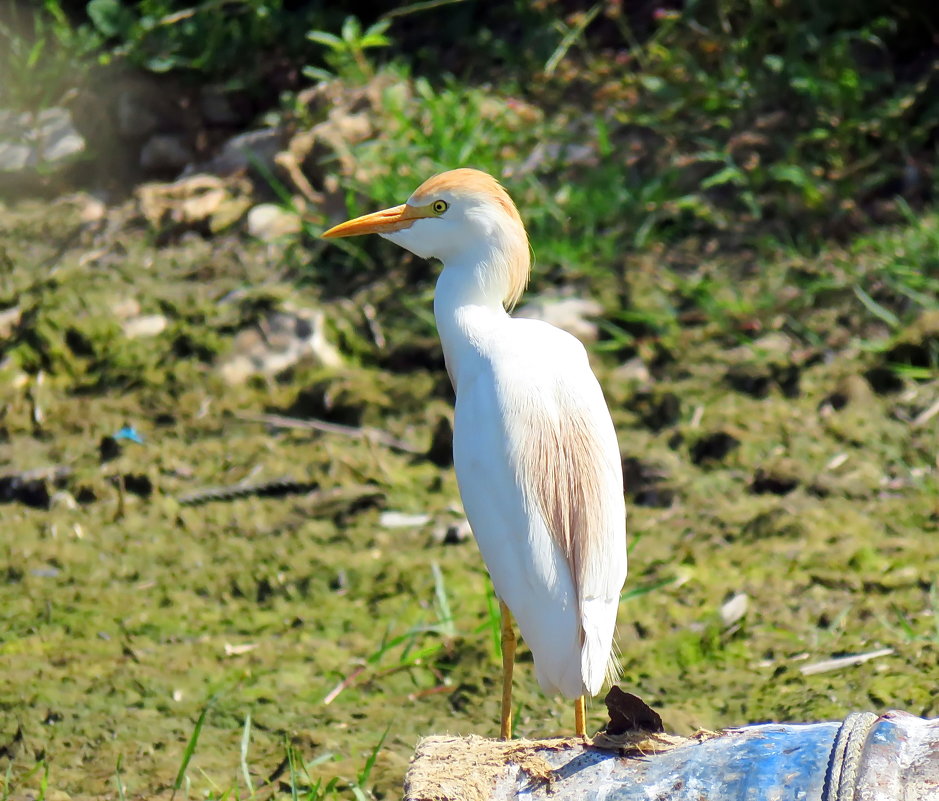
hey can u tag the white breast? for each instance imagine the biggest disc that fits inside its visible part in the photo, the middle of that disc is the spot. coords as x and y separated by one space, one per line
516 386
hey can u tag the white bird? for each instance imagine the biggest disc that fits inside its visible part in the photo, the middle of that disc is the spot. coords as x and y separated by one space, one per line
535 451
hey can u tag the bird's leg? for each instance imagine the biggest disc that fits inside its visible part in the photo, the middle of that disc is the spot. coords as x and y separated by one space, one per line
508 663
580 717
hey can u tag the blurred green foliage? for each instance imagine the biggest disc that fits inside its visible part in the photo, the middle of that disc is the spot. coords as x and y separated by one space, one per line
735 123
211 38
691 166
346 52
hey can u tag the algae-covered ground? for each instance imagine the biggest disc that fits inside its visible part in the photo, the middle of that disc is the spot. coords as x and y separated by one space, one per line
218 585
789 457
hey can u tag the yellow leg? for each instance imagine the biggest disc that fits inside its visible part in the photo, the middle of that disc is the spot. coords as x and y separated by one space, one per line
508 663
580 717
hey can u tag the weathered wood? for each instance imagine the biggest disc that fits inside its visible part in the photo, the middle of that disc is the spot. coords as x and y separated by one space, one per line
863 758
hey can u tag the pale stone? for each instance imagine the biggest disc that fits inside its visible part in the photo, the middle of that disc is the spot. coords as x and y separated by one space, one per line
268 222
147 325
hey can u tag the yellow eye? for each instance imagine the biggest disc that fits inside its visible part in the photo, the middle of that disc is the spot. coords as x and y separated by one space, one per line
439 206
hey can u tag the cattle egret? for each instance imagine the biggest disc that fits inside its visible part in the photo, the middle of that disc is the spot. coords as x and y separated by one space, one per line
536 456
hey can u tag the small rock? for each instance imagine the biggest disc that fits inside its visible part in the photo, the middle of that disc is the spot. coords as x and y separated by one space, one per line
280 341
47 139
147 325
569 314
268 221
15 157
60 141
402 520
125 308
634 370
93 209
242 152
193 201
734 609
63 500
166 153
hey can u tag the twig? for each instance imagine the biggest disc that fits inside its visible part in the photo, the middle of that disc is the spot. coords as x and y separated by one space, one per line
55 472
926 415
282 487
374 326
333 694
372 434
828 665
289 162
279 486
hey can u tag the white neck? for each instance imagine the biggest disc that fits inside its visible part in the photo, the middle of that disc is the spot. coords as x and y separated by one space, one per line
467 306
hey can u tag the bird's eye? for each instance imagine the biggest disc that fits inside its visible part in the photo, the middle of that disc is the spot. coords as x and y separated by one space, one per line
439 206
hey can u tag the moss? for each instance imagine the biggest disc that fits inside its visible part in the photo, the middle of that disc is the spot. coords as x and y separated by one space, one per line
124 613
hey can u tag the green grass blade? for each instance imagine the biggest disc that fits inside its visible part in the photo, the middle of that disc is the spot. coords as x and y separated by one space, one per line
7 782
118 781
876 309
44 781
358 788
292 764
442 603
572 35
245 742
191 748
645 589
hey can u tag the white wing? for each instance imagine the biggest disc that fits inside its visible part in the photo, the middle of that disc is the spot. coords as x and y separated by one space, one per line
540 476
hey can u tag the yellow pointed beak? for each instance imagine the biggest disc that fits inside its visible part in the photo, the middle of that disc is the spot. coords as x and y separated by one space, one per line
379 222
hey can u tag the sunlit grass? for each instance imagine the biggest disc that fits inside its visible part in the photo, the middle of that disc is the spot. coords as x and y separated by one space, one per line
639 188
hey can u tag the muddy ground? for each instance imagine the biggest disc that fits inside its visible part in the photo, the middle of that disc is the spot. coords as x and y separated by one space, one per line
780 459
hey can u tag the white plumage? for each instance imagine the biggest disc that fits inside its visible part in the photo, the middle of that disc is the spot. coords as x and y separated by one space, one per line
535 450
528 377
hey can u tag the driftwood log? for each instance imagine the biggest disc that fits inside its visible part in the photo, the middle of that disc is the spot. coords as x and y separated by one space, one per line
892 757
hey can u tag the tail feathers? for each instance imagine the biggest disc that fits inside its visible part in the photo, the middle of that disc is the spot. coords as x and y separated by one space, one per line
613 667
598 660
557 673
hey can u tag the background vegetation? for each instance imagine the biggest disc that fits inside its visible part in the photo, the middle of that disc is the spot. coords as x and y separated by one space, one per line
746 188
